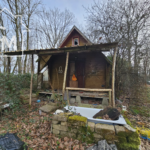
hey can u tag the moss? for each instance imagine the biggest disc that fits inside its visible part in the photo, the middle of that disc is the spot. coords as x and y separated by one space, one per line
78 118
99 118
122 139
127 146
134 140
128 122
122 134
110 137
85 134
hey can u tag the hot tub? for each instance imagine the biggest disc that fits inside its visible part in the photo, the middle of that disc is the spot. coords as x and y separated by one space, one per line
90 112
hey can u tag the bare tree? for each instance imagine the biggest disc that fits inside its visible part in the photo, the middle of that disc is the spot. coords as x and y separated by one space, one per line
126 22
53 26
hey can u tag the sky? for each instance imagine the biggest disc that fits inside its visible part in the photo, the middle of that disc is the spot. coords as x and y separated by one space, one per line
75 6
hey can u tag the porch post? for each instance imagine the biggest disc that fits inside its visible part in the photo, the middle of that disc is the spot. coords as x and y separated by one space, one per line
65 73
113 77
31 80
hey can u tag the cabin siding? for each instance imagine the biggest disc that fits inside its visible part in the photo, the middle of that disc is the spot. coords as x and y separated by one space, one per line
95 71
74 34
55 63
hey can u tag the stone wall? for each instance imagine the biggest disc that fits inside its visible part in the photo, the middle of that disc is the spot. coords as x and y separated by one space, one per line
77 127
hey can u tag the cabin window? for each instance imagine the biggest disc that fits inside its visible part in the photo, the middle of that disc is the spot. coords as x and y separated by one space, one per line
76 41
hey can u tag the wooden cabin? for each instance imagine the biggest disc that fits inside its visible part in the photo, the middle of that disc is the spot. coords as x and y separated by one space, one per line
77 65
92 69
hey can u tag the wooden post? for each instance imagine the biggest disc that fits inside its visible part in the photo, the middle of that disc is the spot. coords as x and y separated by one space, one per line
110 98
113 77
31 80
68 97
65 73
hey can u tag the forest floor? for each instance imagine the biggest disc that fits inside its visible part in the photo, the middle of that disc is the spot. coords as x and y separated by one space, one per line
138 113
35 129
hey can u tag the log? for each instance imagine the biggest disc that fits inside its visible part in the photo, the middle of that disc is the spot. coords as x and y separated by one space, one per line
87 89
65 73
113 77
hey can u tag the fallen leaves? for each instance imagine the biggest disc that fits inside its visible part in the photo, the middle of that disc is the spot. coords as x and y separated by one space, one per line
35 131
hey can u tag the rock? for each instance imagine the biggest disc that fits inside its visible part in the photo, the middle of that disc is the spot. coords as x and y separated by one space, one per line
64 123
62 118
57 127
91 125
97 136
105 102
72 100
55 131
78 99
113 146
102 145
119 129
55 122
63 128
129 128
52 96
94 147
100 128
55 117
47 108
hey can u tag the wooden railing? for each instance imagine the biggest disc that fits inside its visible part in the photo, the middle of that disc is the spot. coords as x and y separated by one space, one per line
89 90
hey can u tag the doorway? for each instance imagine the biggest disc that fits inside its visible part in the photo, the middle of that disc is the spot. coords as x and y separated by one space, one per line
76 67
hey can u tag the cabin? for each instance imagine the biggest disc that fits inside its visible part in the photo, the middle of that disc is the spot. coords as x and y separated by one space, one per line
92 69
77 66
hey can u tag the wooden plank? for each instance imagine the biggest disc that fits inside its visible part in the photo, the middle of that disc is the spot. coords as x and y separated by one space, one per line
113 77
87 89
65 73
31 80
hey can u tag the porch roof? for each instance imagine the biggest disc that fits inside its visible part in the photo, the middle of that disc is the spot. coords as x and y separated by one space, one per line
54 51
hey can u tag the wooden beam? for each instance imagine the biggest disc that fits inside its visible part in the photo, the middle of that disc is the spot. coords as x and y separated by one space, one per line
65 73
87 89
113 77
30 100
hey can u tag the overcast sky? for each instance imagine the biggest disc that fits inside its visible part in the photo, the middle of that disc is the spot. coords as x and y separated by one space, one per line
75 6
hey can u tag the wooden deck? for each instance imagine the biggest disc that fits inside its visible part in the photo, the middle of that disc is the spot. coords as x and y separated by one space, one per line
81 94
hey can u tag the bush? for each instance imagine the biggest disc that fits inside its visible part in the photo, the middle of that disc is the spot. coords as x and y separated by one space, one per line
10 86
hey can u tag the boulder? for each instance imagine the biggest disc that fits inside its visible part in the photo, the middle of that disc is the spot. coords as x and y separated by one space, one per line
105 102
48 108
78 99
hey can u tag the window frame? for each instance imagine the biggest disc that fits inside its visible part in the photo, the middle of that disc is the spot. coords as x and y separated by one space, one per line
73 41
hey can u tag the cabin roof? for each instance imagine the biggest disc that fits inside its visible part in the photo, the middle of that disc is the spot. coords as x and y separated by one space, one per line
55 51
75 28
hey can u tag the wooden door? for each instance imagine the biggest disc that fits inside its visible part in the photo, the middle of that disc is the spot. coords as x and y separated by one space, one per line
80 73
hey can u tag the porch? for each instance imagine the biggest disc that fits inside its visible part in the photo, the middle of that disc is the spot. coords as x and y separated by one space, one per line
44 59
